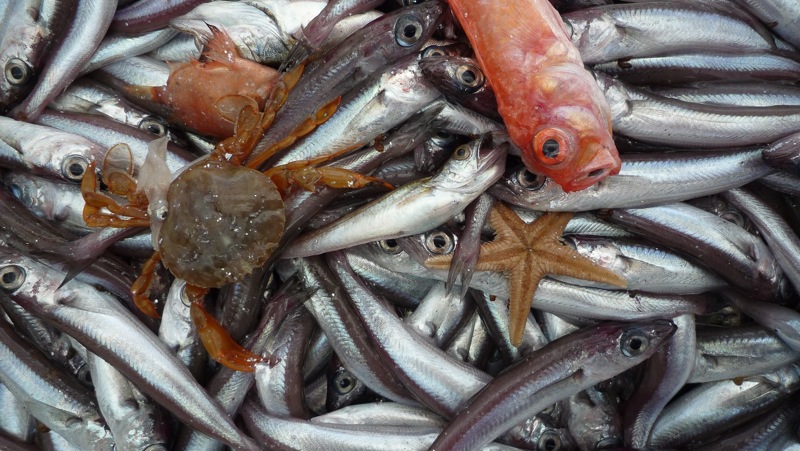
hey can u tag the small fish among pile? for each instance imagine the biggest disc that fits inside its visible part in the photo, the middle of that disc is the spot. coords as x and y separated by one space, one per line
364 225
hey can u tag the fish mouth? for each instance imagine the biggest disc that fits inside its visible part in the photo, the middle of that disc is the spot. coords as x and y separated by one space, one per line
603 161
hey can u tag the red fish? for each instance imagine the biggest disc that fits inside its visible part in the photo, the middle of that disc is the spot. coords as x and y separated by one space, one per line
553 110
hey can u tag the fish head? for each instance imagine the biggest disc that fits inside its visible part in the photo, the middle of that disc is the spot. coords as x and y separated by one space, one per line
574 148
618 346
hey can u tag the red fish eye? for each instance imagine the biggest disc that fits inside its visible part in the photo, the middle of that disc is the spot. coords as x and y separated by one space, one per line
551 146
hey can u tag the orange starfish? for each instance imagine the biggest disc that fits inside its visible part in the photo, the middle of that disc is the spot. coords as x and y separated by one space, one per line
526 253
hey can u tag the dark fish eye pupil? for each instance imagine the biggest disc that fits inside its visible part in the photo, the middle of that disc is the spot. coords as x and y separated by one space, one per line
468 77
344 382
407 31
550 148
17 73
76 169
634 345
9 277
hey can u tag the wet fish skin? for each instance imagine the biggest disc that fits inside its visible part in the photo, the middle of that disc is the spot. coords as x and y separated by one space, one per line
645 180
776 231
55 401
352 61
557 371
665 375
380 103
136 422
738 352
634 112
115 47
50 152
83 35
105 328
107 133
280 386
438 381
712 407
610 33
477 166
28 32
461 80
695 67
340 323
737 256
645 265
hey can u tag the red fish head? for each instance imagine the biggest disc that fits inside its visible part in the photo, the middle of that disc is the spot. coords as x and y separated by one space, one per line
573 163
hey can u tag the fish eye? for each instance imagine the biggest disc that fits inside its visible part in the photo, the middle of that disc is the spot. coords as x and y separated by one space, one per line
439 242
11 277
634 343
528 179
432 50
389 246
17 72
462 152
407 30
153 126
550 441
344 382
551 146
74 167
412 2
469 77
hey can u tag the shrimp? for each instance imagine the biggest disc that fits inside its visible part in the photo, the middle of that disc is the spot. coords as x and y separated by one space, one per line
553 110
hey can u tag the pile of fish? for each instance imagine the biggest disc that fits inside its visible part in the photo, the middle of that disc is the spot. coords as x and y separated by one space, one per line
386 134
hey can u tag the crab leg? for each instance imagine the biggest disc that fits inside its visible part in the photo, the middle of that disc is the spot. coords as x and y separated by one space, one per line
96 201
141 287
217 341
251 124
306 127
306 174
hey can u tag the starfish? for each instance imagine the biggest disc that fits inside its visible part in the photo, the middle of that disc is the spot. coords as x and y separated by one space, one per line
526 253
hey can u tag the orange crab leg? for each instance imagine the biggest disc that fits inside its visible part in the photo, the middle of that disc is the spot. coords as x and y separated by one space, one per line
217 341
141 287
306 174
322 115
251 124
96 201
94 219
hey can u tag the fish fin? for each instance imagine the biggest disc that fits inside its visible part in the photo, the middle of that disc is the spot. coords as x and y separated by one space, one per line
219 48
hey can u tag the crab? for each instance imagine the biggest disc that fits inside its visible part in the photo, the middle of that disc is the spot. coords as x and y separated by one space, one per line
216 221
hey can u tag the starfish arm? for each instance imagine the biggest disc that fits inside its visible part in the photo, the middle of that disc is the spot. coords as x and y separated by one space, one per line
562 260
499 256
508 224
523 286
439 261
